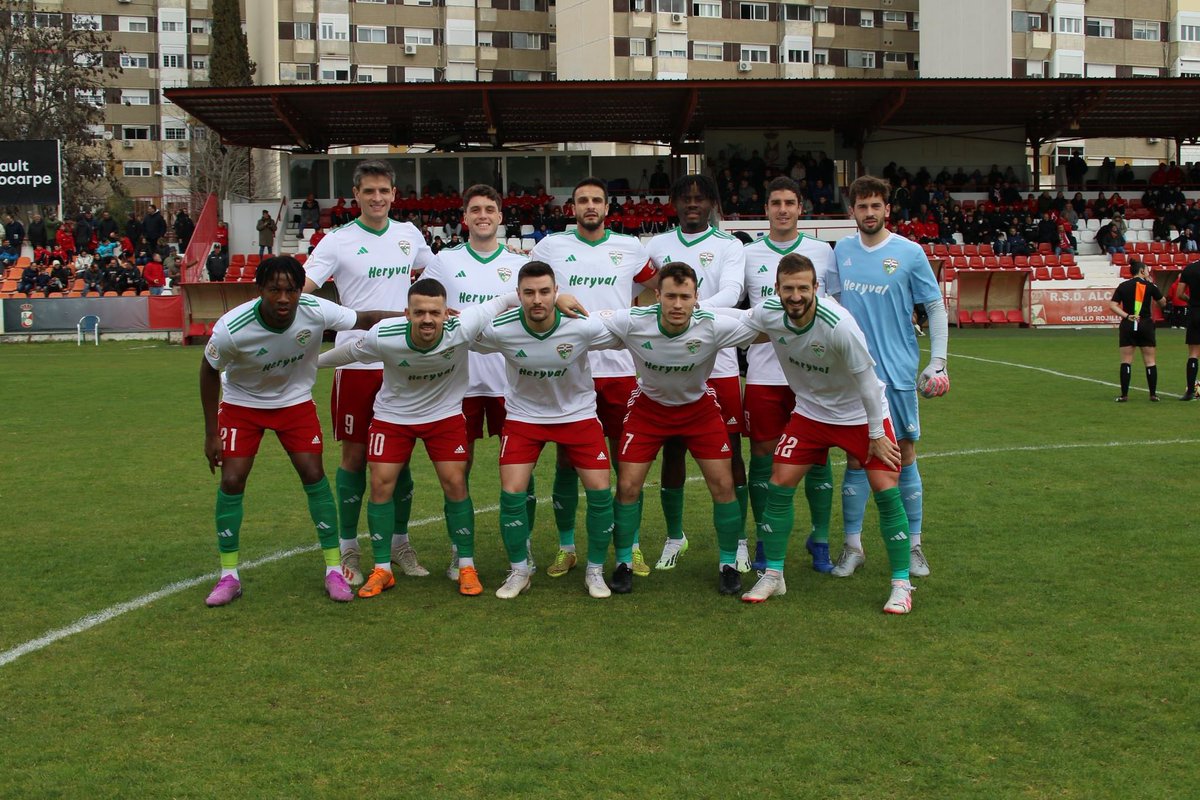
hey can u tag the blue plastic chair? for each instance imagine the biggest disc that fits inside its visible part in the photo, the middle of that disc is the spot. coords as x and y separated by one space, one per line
88 324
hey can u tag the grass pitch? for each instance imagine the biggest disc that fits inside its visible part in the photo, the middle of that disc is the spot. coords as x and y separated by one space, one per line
1051 654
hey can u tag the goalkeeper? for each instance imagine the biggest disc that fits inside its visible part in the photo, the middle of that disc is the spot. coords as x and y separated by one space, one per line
883 276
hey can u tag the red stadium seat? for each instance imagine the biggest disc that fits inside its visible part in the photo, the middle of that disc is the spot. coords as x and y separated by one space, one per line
237 258
1120 259
1015 316
1074 273
996 316
1066 259
1138 247
959 262
991 262
302 257
928 248
986 250
1156 247
1125 273
1149 259
964 318
1181 259
1041 274
1037 261
975 262
1051 260
941 250
1006 262
1058 273
970 250
1045 247
979 317
956 250
949 274
1021 261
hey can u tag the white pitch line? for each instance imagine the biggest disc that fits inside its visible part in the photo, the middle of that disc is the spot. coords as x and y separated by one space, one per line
1053 372
114 611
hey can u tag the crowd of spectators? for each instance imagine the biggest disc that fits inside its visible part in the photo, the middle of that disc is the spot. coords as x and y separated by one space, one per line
741 181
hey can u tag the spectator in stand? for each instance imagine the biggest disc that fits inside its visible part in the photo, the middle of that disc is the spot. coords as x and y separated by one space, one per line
128 277
29 279
310 213
1175 175
154 275
106 226
1109 240
316 237
1108 172
660 181
1160 230
1047 231
1080 205
217 263
1119 224
1017 245
184 228
1125 175
266 233
1186 241
60 279
84 260
42 255
110 247
1069 216
1045 202
14 231
1065 244
1100 209
37 232
1076 168
133 228
1000 244
9 255
93 279
173 278
901 199
154 228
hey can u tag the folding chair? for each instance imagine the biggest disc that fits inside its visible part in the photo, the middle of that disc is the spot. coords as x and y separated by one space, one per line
88 324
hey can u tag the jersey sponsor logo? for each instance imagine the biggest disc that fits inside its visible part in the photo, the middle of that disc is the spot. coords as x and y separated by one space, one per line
693 345
387 272
405 246
572 258
303 336
766 291
283 362
809 367
706 258
262 351
520 354
591 282
763 269
504 273
616 257
861 287
890 265
670 369
542 373
647 346
468 299
432 376
362 251
462 273
565 349
818 348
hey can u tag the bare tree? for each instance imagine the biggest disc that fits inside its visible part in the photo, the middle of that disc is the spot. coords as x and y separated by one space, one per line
52 78
227 171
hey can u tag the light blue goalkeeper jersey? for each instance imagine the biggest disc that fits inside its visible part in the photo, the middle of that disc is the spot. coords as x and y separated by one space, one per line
880 286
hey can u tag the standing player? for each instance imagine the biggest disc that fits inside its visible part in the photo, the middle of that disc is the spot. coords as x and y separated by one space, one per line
882 277
474 273
839 403
768 400
1191 279
261 363
550 398
675 345
600 267
719 262
371 260
1132 302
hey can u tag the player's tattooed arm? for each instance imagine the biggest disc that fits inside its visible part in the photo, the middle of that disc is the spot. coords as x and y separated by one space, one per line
210 395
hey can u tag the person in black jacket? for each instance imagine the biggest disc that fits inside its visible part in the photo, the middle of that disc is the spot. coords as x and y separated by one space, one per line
37 232
184 227
154 227
217 263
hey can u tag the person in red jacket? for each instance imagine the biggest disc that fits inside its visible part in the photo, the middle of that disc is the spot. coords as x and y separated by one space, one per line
154 275
65 238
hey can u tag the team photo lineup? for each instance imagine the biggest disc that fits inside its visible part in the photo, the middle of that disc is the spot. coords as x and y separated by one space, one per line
553 347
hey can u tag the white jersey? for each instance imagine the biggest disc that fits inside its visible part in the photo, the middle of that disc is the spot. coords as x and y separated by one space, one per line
549 379
601 274
424 385
673 368
371 269
720 263
762 259
471 279
262 367
820 360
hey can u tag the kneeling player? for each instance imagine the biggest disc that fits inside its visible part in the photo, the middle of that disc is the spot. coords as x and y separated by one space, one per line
675 345
267 351
839 403
550 397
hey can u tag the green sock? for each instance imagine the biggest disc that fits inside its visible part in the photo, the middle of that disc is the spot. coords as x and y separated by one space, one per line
565 495
229 526
460 524
381 522
776 526
742 493
757 479
323 510
513 525
818 489
637 531
403 497
893 525
672 506
531 503
727 520
627 518
600 528
351 486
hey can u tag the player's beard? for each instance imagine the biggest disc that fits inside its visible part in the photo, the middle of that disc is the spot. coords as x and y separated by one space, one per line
590 226
871 230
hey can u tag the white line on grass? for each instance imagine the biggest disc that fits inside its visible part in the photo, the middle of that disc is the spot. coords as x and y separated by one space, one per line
114 611
1056 373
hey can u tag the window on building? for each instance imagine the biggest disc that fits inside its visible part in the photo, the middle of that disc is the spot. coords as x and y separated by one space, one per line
370 74
302 31
200 62
202 25
899 59
796 13
916 24
334 27
524 75
526 41
91 97
371 34
712 10
88 60
1102 28
756 11
637 5
176 170
41 19
755 53
1035 22
1070 25
419 3
136 169
1189 33
820 14
460 71
528 5
1068 64
867 20
135 132
85 22
170 26
864 59
133 25
1101 70
1035 68
895 17
175 133
335 70
637 47
671 45
672 6
798 56
418 36
820 57
1146 30
485 38
708 51
135 61
1144 72
172 61
1189 68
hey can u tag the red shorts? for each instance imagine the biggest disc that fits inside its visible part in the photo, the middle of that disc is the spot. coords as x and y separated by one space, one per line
242 428
390 443
729 398
352 403
806 441
650 424
768 409
477 409
612 402
583 442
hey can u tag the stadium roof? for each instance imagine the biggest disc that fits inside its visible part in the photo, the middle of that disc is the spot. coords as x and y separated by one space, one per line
315 118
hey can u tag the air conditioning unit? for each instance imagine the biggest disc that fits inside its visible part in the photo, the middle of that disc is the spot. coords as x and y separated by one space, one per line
744 66
127 144
410 49
1152 140
677 19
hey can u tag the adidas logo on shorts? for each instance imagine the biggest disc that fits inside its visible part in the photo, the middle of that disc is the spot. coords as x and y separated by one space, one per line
602 457
316 440
731 421
724 448
459 449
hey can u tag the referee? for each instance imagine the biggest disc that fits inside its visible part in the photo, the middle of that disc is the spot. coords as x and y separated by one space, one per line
1131 302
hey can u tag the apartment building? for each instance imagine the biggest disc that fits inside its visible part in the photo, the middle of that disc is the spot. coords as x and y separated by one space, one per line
166 43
